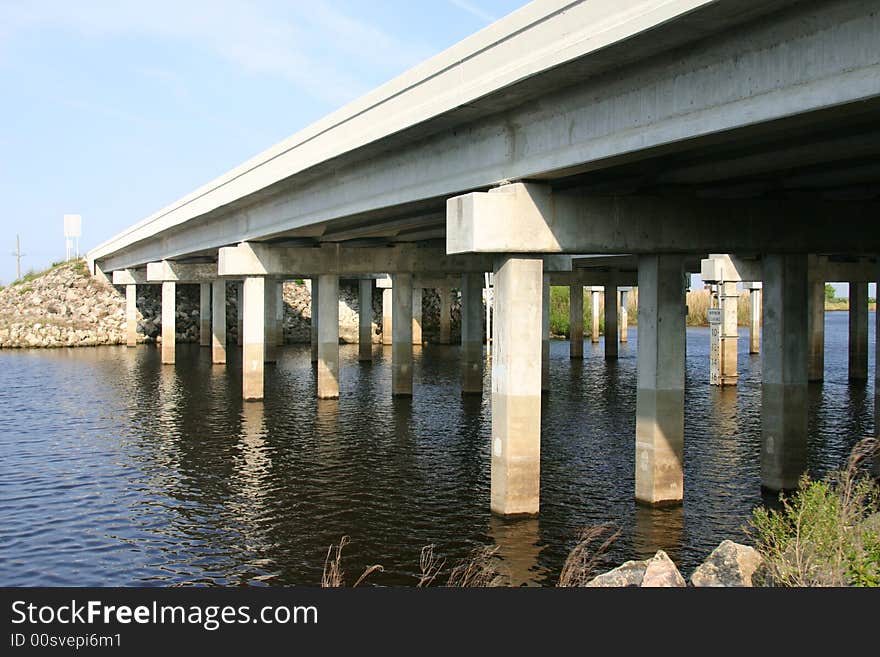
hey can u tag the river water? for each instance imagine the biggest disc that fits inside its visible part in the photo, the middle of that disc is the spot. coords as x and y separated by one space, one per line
116 470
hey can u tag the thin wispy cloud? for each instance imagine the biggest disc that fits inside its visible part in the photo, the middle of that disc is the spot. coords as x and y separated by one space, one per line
474 10
289 41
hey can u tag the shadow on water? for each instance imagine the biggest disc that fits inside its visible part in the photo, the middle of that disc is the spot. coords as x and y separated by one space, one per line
119 470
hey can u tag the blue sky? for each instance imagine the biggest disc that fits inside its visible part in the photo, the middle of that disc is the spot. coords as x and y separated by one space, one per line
113 109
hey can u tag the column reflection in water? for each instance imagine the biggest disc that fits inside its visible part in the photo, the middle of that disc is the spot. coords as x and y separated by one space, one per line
658 528
519 548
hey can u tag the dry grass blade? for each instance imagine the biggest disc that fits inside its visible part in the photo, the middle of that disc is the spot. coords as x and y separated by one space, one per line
332 576
429 565
581 563
369 571
480 570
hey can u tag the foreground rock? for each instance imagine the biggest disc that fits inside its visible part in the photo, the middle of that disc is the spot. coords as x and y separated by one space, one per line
658 571
730 564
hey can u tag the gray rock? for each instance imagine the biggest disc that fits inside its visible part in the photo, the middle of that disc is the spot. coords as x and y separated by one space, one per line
629 574
730 564
662 572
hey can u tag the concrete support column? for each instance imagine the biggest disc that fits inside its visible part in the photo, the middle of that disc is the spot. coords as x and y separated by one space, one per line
754 319
279 314
594 337
401 328
239 291
205 314
445 314
877 377
815 330
858 331
624 315
417 316
576 320
471 333
131 320
254 351
660 394
314 303
516 388
365 319
610 321
270 353
328 336
729 297
387 316
169 321
784 371
218 322
545 332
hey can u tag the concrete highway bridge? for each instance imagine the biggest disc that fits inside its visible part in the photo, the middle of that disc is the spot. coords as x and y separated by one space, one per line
740 138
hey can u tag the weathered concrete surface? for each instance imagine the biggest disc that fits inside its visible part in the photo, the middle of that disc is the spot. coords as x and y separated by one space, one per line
131 321
471 334
729 299
784 372
218 322
328 337
516 387
205 314
816 330
169 317
254 334
576 320
545 332
401 347
660 393
365 319
730 564
858 331
610 321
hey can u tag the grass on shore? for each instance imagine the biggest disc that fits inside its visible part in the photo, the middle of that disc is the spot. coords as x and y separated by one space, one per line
78 264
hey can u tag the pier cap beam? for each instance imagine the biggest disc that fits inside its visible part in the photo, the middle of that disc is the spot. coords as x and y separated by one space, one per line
181 272
533 218
130 277
258 259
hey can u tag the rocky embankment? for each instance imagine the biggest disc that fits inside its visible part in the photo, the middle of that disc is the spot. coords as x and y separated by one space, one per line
730 564
66 307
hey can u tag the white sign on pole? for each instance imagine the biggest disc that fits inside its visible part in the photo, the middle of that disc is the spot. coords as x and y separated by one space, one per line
72 233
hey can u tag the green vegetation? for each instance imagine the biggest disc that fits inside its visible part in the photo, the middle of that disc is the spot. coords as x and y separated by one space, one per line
559 304
828 532
829 292
78 265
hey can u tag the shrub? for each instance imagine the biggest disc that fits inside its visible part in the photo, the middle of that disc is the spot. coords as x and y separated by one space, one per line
828 532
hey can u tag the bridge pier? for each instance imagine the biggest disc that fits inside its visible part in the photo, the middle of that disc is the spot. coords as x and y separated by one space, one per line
169 318
279 313
729 297
660 393
239 293
624 315
545 332
594 328
270 352
516 386
387 316
328 336
204 314
610 322
576 320
784 372
471 333
401 328
365 319
816 330
858 331
254 335
131 322
218 321
314 305
445 314
754 316
417 316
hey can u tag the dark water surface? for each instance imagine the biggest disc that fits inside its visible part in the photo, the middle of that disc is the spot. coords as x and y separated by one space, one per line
116 470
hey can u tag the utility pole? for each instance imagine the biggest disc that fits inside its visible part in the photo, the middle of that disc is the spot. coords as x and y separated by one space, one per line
18 255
